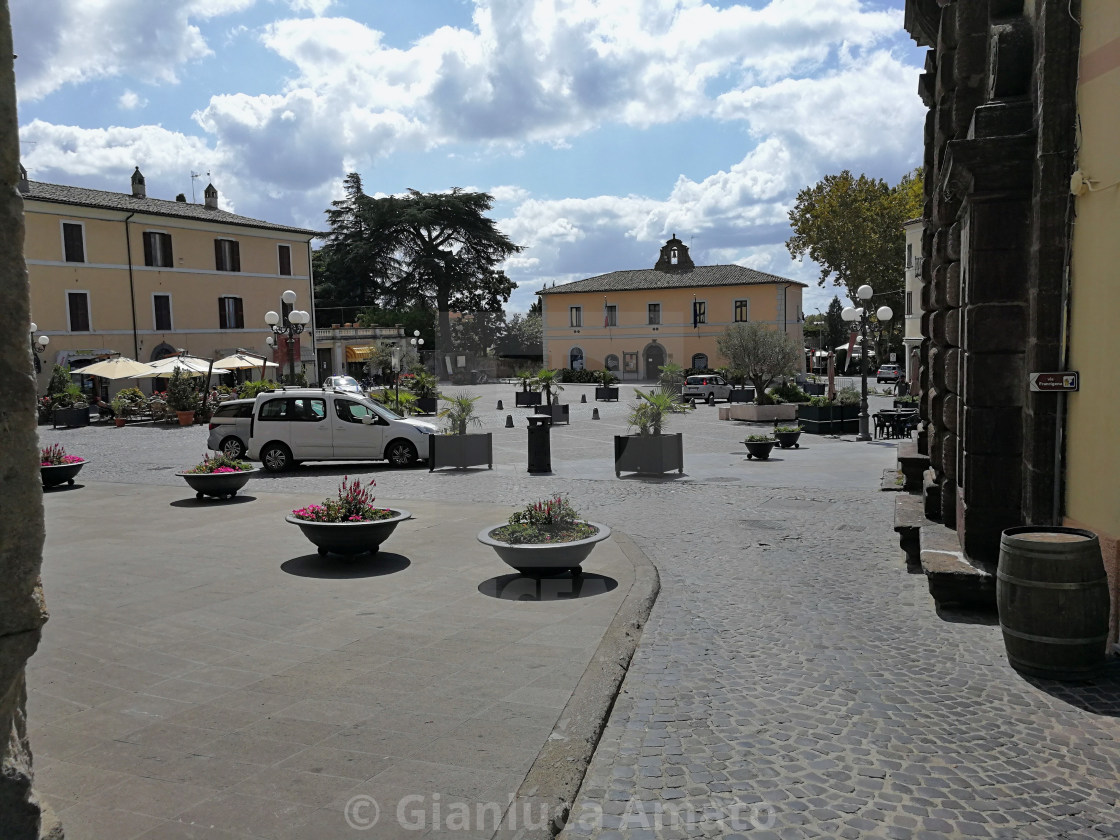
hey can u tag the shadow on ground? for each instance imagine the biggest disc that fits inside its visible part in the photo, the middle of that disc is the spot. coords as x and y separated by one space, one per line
336 567
560 588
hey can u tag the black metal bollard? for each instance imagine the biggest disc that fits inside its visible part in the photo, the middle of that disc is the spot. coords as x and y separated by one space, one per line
583 398
509 421
540 446
500 407
595 413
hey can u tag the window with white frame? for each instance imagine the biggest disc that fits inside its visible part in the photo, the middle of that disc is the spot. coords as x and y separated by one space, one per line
575 316
227 255
653 313
77 311
161 312
699 312
284 255
612 315
231 315
73 242
157 249
742 311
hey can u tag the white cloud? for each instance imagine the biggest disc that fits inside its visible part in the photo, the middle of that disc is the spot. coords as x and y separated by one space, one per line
316 7
130 101
68 42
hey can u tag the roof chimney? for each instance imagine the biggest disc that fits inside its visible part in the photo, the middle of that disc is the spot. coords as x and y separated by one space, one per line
211 195
138 190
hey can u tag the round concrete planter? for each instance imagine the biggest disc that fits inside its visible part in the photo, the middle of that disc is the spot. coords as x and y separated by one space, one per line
349 537
57 474
541 559
217 485
788 439
759 449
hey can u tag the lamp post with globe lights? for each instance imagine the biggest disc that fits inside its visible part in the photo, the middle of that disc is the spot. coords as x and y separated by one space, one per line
860 314
38 345
296 321
417 344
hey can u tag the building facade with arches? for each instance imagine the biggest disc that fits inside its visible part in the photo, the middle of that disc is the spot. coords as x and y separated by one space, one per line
635 321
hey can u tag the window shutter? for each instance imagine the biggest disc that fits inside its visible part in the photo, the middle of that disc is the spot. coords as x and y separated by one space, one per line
168 259
218 263
285 260
72 243
235 252
239 313
149 257
222 325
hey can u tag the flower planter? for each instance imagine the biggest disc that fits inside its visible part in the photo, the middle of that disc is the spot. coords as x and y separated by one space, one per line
349 538
541 559
186 418
814 389
217 485
828 419
759 449
460 451
557 411
764 413
427 405
606 393
527 398
648 454
57 474
119 422
70 417
788 439
740 395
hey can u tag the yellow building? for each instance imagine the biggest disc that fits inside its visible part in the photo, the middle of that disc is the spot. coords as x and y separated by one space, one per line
633 322
121 273
1092 488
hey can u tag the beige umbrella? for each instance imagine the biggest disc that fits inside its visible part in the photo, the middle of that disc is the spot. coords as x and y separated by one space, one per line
189 365
116 368
244 360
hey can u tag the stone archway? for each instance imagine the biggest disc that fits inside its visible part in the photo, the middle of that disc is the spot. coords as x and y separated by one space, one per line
654 356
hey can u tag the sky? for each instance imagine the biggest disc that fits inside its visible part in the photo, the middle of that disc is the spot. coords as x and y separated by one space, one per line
601 127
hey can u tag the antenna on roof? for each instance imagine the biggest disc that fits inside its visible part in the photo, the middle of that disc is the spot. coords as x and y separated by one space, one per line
194 177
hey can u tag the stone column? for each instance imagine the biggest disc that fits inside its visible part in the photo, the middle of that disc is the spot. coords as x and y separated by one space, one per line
22 611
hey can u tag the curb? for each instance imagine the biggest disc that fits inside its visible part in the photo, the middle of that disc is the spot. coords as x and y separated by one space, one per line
554 779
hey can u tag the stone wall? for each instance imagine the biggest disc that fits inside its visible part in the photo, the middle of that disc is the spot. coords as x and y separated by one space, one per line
22 611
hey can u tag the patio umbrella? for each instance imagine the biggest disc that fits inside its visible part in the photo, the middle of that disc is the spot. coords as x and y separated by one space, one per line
116 368
189 365
243 360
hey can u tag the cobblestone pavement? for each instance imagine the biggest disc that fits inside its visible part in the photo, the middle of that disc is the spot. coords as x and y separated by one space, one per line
794 681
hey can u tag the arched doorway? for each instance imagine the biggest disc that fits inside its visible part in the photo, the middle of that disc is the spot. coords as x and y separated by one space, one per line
700 361
575 358
655 359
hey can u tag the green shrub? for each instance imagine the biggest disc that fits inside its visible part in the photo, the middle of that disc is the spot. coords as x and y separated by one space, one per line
789 392
249 390
847 396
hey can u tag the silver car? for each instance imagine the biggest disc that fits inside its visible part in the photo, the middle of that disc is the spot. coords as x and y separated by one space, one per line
707 386
229 428
344 383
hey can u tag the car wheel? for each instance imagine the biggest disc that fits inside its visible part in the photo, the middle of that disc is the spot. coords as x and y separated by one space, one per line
232 447
400 453
276 457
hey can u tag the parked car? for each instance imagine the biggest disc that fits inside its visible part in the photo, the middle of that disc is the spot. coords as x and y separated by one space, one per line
705 386
888 373
344 383
315 424
229 428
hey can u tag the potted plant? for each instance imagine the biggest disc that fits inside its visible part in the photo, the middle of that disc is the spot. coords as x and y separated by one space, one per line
549 382
56 467
181 397
349 524
650 451
120 410
740 392
544 538
605 388
759 446
528 395
456 448
425 387
787 436
219 477
402 402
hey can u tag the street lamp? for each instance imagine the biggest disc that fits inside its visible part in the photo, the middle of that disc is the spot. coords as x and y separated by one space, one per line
417 343
296 320
38 345
850 314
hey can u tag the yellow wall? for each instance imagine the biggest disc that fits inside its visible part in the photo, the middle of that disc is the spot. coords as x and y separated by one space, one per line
193 283
1092 451
675 332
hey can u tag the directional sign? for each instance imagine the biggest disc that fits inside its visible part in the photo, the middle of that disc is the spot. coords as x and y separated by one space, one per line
1062 381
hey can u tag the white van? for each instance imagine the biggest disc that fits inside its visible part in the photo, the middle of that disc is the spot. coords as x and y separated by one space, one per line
312 424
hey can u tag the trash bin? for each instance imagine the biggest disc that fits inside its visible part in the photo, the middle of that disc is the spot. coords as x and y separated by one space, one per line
540 446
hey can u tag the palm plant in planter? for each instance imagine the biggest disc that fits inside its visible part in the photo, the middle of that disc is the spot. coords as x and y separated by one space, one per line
650 451
605 388
456 448
545 537
181 397
220 477
528 395
425 387
549 381
350 523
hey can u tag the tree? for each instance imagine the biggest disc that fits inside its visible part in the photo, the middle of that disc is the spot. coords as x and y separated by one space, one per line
837 330
763 354
852 228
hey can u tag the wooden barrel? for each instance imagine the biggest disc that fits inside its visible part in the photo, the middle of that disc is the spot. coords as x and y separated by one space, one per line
1052 594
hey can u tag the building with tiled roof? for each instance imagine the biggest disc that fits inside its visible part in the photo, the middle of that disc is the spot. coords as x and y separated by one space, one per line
636 320
123 273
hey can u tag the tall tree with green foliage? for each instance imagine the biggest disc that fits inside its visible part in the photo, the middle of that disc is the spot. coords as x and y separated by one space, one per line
761 352
852 228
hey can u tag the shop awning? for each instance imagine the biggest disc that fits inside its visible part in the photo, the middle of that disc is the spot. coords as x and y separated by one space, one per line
355 353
